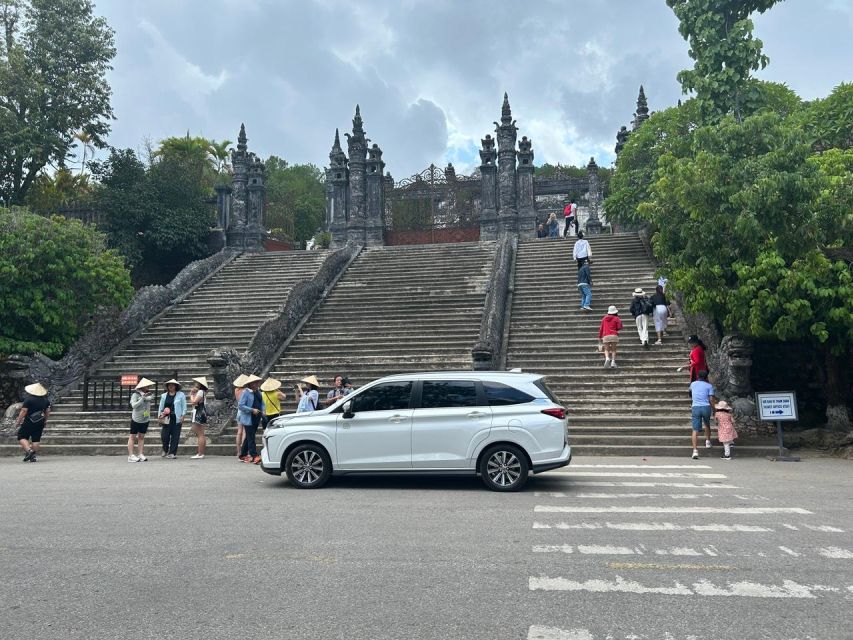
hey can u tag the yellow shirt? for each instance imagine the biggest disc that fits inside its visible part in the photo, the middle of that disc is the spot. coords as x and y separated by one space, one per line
272 402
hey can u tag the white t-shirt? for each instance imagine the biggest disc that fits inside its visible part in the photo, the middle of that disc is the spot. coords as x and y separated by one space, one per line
581 250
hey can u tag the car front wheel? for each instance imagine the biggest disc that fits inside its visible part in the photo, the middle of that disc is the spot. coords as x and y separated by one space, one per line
504 468
308 466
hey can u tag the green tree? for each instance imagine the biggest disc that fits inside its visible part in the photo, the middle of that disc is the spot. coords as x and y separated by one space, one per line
744 228
54 57
296 201
50 192
55 275
719 33
219 154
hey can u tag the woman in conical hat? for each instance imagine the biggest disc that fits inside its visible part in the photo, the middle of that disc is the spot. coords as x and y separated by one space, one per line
173 408
199 416
32 420
308 400
273 396
239 383
140 416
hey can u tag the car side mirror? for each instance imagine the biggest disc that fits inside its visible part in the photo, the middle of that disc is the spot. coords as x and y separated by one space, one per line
348 409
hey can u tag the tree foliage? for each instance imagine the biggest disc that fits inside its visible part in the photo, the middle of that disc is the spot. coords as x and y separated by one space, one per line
719 33
55 274
50 193
54 56
296 201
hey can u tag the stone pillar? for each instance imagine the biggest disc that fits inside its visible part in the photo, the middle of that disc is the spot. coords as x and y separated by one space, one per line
507 133
235 233
255 205
373 232
642 113
593 224
337 184
488 190
357 192
526 198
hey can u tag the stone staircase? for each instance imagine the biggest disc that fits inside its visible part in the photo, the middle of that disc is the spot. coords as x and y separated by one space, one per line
642 407
224 311
397 309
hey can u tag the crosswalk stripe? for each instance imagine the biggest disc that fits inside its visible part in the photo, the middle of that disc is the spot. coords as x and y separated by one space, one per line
836 553
746 589
678 552
553 633
618 496
648 509
638 474
655 526
641 466
672 485
540 632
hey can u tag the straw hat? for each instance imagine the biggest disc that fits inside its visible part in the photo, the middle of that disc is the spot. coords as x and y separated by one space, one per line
172 381
311 380
722 405
250 379
35 389
144 383
639 292
202 381
240 381
612 310
271 384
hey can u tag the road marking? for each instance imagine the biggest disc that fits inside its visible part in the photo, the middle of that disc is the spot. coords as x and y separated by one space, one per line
643 509
666 566
553 633
641 466
627 496
743 589
678 551
672 485
537 632
656 526
824 528
836 553
631 474
790 552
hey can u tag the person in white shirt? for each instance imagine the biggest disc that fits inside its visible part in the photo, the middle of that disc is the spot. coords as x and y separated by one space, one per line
582 252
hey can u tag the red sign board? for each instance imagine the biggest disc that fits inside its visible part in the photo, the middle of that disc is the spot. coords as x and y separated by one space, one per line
129 380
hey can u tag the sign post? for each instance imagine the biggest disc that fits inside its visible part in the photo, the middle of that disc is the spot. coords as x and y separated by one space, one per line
778 407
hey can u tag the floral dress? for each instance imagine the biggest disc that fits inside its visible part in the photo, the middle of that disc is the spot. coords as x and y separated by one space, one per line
725 427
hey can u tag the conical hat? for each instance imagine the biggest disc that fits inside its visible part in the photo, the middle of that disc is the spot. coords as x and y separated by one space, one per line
311 380
145 382
250 379
36 389
172 381
202 381
240 381
271 384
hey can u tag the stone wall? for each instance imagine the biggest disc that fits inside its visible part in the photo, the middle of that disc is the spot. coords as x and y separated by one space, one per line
108 332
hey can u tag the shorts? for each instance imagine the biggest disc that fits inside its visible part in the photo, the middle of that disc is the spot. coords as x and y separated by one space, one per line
611 339
30 431
138 427
699 415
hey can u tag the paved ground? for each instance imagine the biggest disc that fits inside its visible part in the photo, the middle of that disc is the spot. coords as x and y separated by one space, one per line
616 548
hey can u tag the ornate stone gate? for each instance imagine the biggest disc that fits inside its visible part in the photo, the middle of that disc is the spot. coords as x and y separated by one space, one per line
365 206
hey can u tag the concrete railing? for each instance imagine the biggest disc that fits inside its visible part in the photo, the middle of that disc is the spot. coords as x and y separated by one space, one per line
486 353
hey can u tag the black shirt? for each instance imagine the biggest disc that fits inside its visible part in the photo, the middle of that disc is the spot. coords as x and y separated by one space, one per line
35 406
659 298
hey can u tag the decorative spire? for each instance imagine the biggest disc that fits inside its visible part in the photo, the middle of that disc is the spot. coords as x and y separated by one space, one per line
642 109
357 123
506 112
592 166
337 145
621 139
241 138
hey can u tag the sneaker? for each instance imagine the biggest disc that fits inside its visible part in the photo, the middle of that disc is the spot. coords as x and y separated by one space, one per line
606 361
248 460
707 444
659 342
241 458
613 364
171 456
28 455
132 458
726 457
695 454
34 457
164 454
197 456
587 308
142 458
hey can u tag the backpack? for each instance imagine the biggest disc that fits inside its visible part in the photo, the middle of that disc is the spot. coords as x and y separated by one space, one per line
648 309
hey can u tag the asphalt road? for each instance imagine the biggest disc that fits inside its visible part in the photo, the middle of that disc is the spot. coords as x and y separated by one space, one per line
615 548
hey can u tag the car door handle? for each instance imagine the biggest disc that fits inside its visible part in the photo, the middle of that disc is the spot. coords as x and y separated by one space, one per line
396 418
477 414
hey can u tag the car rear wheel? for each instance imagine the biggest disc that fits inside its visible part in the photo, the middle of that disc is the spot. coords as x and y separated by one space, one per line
308 466
504 468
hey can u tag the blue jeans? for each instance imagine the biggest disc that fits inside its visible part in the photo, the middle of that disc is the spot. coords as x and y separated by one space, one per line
698 415
586 294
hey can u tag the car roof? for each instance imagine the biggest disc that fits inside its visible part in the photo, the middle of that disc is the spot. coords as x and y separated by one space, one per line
509 376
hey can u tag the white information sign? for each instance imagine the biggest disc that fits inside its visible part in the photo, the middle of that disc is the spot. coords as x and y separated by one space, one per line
776 406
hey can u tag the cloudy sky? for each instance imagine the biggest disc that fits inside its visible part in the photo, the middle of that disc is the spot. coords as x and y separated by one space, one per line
429 76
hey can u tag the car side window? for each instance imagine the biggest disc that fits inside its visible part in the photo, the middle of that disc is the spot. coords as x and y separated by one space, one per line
448 393
390 396
500 395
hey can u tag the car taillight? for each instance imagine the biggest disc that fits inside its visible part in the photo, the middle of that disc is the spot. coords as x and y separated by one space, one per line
558 413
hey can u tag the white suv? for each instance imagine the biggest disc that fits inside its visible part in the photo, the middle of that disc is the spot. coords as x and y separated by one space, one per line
500 425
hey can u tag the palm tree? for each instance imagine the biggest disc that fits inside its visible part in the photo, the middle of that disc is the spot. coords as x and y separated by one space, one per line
85 141
219 152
